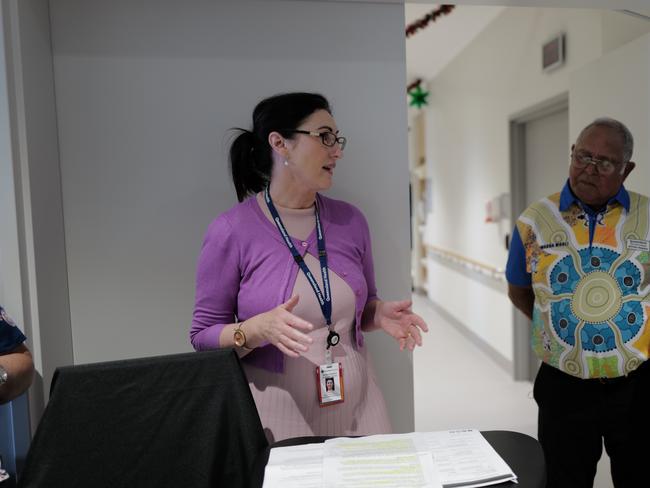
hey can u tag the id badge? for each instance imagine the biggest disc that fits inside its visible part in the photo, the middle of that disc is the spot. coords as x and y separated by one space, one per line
329 382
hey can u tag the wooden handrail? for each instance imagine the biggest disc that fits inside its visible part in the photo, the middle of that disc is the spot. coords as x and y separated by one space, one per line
469 263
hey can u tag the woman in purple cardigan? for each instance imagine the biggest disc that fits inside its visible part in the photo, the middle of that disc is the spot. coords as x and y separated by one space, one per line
286 277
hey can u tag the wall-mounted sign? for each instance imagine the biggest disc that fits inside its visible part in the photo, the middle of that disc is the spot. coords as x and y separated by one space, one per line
553 53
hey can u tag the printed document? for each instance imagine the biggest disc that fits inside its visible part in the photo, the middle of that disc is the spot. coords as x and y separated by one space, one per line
295 467
390 461
446 459
463 458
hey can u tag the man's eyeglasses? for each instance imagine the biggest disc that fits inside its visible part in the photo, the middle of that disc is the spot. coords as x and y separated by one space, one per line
328 138
604 167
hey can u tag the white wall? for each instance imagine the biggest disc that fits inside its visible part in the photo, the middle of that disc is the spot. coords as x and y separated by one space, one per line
9 255
36 279
484 316
615 86
146 92
472 100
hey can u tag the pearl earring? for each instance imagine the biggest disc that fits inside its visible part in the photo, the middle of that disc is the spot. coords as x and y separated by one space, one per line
286 163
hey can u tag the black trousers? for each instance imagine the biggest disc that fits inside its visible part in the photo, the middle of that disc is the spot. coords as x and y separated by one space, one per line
576 416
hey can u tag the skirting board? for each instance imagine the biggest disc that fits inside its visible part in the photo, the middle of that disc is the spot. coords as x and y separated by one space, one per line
475 339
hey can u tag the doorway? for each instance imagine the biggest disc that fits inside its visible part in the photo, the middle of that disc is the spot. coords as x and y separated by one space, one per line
539 160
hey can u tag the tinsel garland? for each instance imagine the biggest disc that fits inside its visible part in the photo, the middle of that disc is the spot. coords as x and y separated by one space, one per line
418 95
413 85
413 27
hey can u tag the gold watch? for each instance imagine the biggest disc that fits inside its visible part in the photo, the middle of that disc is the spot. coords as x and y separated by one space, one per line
240 338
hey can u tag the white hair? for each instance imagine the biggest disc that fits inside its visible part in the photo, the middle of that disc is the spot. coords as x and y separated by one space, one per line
623 131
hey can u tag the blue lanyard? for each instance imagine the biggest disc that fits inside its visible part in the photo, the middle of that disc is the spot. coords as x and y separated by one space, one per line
325 301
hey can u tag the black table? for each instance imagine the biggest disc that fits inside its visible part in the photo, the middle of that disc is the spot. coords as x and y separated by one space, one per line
522 453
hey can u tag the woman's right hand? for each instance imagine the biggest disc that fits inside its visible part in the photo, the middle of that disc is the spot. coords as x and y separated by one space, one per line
281 328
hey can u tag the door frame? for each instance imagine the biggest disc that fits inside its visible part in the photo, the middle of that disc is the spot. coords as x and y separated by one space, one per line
525 363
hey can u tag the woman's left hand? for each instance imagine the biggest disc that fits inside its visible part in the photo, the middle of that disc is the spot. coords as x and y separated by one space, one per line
398 320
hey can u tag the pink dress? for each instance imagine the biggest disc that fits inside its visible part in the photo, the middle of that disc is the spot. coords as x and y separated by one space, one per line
288 402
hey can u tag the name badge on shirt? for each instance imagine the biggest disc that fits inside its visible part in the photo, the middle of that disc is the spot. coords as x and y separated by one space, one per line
329 384
638 245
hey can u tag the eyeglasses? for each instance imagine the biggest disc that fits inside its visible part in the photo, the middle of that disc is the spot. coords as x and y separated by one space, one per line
604 167
328 138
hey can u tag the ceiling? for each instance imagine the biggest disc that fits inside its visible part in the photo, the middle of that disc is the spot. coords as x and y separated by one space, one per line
432 48
637 5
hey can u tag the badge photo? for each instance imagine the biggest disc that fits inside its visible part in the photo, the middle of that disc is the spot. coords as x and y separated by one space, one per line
329 382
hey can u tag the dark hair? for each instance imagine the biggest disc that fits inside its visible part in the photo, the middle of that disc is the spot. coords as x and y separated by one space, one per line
250 154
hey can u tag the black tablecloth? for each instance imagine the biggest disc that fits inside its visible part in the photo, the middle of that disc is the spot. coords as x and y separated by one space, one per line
186 420
522 453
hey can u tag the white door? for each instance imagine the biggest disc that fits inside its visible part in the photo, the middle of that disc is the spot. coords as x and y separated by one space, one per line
539 167
547 154
544 157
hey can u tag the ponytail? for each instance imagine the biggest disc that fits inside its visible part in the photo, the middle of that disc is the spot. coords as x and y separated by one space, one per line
250 164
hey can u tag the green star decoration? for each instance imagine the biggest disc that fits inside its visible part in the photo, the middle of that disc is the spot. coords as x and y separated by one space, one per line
418 97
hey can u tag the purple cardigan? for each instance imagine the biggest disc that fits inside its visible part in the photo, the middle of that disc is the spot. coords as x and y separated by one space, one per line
245 269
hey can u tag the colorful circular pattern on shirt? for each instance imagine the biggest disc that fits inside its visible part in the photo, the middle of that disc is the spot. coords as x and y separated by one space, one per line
597 298
564 276
599 295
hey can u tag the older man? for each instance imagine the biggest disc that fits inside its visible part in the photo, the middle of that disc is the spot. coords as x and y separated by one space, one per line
16 365
579 268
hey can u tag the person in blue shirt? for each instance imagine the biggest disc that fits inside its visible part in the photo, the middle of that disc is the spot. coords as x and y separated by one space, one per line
579 268
16 364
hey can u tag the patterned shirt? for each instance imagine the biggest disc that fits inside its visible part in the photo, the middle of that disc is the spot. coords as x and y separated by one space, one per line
590 272
10 335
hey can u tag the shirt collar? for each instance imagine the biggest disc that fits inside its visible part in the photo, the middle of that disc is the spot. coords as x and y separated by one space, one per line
567 198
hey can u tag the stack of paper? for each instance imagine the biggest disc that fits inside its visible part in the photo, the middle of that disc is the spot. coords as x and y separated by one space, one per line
380 460
295 467
458 458
463 458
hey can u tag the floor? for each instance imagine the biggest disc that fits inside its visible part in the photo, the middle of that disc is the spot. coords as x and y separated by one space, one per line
456 385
